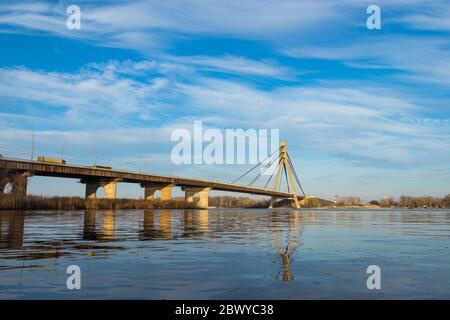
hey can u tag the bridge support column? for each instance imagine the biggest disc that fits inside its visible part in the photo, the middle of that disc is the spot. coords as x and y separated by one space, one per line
110 189
150 189
149 193
109 186
14 181
166 193
189 194
189 198
203 202
91 190
294 200
20 183
271 202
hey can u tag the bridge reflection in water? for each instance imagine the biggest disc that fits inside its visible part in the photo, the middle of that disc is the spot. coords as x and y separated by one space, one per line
102 227
12 228
286 244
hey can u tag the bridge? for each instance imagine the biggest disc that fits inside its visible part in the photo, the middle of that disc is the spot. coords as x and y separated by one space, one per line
15 172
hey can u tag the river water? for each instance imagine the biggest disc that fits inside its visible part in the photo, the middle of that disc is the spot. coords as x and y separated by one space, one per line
225 254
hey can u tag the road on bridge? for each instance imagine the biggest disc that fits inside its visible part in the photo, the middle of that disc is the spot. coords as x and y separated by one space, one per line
87 174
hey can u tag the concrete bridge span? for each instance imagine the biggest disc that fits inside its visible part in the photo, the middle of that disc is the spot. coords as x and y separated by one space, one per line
15 172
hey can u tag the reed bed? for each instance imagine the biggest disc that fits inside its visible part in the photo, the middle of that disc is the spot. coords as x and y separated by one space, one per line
31 202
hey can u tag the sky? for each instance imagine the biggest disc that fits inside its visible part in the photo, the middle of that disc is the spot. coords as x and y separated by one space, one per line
364 112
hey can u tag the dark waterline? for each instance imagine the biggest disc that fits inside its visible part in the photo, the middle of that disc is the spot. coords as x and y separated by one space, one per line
224 254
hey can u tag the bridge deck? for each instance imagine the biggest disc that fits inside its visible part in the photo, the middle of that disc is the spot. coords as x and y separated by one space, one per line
87 173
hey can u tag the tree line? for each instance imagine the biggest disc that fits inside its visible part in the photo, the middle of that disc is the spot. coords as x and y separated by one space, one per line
76 203
407 202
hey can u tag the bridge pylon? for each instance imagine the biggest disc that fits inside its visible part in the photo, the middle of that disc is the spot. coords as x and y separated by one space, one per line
285 165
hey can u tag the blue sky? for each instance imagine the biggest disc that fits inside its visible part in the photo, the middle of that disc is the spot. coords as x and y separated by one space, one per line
365 112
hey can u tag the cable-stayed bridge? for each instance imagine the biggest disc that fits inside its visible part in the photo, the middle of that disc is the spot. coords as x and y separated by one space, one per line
15 172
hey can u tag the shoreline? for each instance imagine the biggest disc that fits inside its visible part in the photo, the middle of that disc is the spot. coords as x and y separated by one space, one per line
40 203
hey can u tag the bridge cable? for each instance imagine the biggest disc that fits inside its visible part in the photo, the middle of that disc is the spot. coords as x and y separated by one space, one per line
295 174
297 178
273 172
254 167
262 171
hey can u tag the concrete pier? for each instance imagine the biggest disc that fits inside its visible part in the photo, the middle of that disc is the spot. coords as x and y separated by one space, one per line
190 193
16 181
109 187
166 193
150 189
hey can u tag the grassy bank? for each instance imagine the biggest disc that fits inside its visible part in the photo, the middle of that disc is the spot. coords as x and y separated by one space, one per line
77 203
349 202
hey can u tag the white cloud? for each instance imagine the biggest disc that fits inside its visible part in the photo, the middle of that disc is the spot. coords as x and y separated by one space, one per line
303 29
299 29
347 119
252 18
422 58
235 65
148 25
144 24
359 122
82 95
433 16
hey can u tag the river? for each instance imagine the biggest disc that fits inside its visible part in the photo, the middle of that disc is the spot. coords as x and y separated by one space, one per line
225 254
